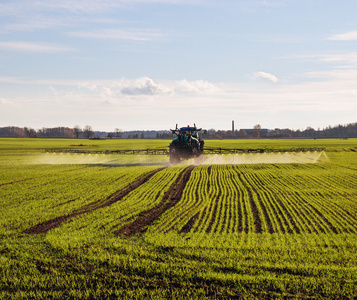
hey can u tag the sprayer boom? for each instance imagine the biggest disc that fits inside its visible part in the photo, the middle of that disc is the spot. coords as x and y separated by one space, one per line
165 151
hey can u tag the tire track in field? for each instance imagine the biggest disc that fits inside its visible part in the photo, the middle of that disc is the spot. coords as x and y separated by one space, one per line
53 223
170 198
188 226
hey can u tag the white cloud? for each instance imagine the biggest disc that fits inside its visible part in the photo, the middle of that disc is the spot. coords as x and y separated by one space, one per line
53 91
54 82
272 3
33 47
22 7
16 7
117 87
33 22
144 86
342 60
88 85
345 57
196 87
106 93
347 36
5 102
94 6
87 6
265 75
120 34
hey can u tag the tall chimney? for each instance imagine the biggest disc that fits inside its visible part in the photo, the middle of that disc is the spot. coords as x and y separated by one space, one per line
233 126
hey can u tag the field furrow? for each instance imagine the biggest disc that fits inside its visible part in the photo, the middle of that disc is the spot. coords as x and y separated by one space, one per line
185 209
171 197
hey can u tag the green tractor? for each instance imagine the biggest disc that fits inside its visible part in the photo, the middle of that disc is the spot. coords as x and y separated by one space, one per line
187 144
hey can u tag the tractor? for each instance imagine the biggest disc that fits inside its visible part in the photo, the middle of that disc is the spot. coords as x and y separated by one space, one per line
187 144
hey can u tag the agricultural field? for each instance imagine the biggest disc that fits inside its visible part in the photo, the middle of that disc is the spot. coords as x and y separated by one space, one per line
244 226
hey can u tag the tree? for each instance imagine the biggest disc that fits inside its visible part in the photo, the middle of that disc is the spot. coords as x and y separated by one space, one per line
29 132
88 131
118 132
77 131
256 130
12 131
309 131
242 133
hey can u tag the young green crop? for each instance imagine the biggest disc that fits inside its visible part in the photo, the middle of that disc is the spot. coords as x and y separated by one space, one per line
304 245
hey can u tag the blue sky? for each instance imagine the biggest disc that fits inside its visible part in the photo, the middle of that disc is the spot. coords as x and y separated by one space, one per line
149 64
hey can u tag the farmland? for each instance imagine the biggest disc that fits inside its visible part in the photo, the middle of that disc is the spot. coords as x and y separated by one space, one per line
107 226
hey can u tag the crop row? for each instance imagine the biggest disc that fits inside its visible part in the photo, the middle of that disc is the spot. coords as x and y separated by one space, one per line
265 199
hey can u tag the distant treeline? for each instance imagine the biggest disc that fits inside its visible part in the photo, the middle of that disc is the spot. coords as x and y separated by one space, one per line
339 131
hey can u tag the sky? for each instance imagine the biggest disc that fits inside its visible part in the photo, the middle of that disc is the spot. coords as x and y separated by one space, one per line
152 64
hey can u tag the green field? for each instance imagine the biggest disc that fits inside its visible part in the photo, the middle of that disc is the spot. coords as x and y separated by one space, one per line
121 226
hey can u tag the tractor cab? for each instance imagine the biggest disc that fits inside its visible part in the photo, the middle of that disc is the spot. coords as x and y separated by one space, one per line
186 145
